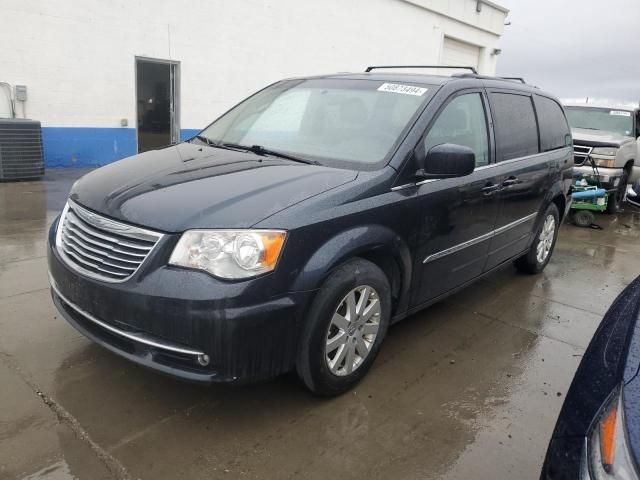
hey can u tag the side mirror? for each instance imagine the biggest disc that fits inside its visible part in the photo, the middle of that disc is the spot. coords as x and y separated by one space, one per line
446 161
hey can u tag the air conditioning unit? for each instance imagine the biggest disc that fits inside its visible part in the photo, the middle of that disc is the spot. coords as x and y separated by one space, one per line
20 149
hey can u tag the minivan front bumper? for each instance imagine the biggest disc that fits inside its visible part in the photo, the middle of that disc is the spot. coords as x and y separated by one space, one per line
161 320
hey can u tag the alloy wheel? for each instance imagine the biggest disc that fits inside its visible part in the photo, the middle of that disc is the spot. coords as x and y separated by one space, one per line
353 330
546 239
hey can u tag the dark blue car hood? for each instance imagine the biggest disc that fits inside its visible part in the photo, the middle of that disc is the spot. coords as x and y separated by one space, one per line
611 359
192 186
631 378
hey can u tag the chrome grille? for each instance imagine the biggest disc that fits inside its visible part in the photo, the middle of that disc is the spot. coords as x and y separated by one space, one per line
581 154
102 248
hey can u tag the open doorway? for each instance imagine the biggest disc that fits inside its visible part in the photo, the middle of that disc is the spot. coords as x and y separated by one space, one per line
156 103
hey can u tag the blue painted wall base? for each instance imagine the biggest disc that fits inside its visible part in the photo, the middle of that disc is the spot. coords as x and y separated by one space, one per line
86 146
188 133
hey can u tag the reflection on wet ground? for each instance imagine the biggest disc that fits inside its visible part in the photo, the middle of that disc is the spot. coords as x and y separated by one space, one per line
469 388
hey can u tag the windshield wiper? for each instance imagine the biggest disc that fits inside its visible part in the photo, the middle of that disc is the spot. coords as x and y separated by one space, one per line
206 140
260 150
257 149
212 143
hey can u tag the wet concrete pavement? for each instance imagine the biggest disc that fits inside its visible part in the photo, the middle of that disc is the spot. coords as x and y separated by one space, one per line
469 388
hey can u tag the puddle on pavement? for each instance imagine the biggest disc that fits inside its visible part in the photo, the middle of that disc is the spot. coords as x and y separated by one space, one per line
57 471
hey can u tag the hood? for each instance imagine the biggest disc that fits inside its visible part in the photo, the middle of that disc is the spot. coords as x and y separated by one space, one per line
192 186
631 379
610 358
598 138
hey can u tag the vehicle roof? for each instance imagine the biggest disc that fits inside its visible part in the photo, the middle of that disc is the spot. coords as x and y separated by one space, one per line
425 79
391 76
609 105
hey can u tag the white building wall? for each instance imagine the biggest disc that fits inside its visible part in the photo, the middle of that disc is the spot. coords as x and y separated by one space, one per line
77 56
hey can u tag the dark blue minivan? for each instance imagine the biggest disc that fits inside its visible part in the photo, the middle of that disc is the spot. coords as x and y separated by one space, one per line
292 231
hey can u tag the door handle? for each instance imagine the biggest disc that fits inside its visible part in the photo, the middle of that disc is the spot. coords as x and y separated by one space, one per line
511 181
490 188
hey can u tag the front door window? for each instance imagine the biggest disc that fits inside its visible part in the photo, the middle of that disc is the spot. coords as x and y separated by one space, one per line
462 122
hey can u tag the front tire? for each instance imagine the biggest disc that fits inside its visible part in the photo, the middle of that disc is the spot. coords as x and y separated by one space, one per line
543 244
346 325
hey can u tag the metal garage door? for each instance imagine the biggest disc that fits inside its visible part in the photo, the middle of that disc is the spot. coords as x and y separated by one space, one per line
455 52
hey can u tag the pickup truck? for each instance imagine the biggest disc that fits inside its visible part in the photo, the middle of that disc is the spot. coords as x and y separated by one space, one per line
610 136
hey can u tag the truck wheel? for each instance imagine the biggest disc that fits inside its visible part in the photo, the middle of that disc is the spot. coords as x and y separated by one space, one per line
616 198
345 327
541 249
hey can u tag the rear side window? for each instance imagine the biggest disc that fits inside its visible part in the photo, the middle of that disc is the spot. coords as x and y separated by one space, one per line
554 129
515 125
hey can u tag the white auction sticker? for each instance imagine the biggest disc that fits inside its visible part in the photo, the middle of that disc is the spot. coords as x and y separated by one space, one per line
404 89
622 113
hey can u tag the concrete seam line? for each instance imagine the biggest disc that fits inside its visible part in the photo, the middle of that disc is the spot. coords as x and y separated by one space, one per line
569 305
525 329
26 259
134 436
64 417
113 465
532 332
5 297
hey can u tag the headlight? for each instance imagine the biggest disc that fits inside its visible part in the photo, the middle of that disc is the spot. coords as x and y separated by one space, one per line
608 452
229 254
609 151
606 163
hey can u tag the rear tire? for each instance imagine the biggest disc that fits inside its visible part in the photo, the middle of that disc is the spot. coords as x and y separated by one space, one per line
345 327
543 244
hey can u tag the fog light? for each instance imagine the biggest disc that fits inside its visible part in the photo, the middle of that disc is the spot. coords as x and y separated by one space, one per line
203 360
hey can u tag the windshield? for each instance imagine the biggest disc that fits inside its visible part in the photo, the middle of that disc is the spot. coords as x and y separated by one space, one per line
606 119
338 122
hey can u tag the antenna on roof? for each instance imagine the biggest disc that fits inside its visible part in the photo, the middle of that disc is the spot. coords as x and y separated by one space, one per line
378 67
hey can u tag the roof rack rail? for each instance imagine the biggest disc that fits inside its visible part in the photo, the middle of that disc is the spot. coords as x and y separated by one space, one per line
378 67
519 79
488 77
